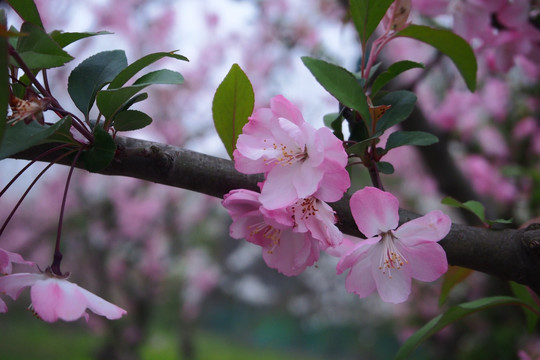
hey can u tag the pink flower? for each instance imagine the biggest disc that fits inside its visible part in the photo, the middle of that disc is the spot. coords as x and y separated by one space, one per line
283 249
56 298
391 256
3 306
6 260
298 160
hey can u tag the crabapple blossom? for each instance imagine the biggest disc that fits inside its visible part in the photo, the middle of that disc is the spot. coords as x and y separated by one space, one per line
53 297
391 255
284 249
6 260
298 160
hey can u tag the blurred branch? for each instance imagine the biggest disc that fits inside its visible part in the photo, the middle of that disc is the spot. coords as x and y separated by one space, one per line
507 254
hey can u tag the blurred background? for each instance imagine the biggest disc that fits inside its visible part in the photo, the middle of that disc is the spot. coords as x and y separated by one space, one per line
164 254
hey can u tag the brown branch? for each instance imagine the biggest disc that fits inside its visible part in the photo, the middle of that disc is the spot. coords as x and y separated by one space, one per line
507 254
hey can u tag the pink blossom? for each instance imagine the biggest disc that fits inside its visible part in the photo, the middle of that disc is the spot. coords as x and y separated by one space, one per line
283 249
298 160
391 255
56 298
3 306
6 260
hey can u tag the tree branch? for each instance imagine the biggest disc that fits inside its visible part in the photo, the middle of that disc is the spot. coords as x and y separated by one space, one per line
507 254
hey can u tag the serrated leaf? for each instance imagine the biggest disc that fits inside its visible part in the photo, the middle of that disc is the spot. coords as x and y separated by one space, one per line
140 64
92 74
38 50
450 44
385 167
129 120
100 155
340 83
21 136
402 105
393 70
232 105
448 317
4 76
522 293
111 101
454 276
65 38
27 10
401 138
367 14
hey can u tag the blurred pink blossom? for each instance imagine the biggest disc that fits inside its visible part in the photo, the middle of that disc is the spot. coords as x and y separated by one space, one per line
391 255
6 260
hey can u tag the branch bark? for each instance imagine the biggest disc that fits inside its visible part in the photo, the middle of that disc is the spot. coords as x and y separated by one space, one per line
507 254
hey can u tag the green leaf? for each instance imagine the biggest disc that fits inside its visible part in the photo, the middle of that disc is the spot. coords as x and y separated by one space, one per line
128 120
38 50
394 70
451 315
402 105
92 74
453 277
140 64
334 121
385 167
366 15
111 101
450 44
4 76
232 105
341 83
20 136
27 10
100 155
65 38
401 138
524 294
472 205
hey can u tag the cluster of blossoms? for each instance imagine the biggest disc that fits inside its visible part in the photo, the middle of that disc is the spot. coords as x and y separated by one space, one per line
304 168
53 297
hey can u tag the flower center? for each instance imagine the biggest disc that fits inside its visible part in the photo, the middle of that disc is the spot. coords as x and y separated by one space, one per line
391 258
305 208
285 155
268 232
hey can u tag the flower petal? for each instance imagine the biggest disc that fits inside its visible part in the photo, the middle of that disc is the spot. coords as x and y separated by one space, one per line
427 262
3 306
13 284
293 253
393 285
283 108
431 227
101 306
374 211
359 279
54 299
359 252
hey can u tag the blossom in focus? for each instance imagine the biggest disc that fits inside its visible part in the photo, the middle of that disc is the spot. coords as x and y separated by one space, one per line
391 255
56 298
7 258
283 249
298 160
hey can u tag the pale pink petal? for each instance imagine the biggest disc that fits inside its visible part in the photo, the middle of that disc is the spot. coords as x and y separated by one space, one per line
13 284
431 227
285 109
393 285
359 252
306 179
293 253
343 248
359 279
426 262
319 219
277 191
102 307
54 299
3 306
5 264
374 211
333 184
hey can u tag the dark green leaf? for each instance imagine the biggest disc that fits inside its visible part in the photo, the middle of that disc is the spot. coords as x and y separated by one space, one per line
92 74
63 133
140 64
128 120
232 105
367 14
385 167
334 121
500 221
65 38
137 98
524 294
111 101
450 44
27 10
38 50
341 83
20 136
451 315
394 70
453 277
101 153
360 147
402 104
401 138
4 77
472 205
